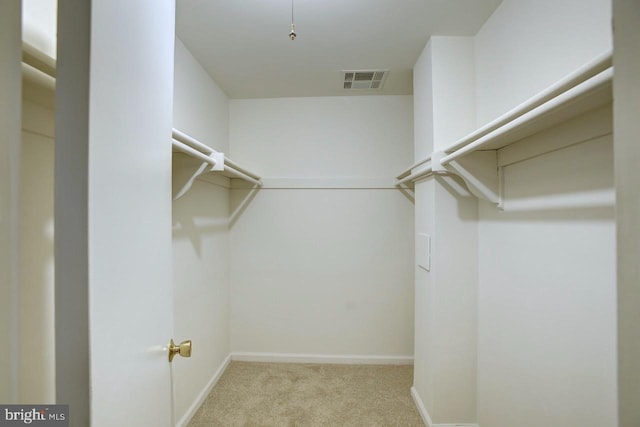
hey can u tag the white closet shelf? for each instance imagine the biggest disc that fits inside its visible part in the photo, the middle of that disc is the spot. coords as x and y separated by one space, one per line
38 76
584 90
39 60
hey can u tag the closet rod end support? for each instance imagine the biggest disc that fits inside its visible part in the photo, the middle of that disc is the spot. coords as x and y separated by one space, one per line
219 158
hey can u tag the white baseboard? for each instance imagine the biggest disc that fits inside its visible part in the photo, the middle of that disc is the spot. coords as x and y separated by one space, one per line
288 183
422 410
456 425
321 358
184 421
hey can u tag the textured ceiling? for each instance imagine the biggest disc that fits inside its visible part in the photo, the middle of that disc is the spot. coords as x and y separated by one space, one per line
244 44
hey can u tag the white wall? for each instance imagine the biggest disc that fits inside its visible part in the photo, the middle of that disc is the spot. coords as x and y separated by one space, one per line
201 288
324 271
35 311
453 84
423 104
527 45
113 211
10 112
546 300
200 238
627 176
455 239
37 345
423 367
200 107
445 304
328 137
39 25
547 295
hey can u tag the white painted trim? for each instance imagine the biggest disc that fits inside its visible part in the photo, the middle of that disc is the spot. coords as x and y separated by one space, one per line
456 425
345 183
422 410
347 359
186 418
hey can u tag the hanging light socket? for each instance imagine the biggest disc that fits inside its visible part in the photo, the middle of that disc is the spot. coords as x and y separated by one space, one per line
292 34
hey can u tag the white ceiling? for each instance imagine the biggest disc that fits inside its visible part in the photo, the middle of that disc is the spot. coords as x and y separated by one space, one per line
244 44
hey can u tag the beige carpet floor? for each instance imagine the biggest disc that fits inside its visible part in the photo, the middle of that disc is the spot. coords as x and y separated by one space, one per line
274 395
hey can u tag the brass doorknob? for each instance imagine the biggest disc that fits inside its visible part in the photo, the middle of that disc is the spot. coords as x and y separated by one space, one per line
183 349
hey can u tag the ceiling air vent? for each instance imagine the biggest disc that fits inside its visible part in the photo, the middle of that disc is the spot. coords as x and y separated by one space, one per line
364 79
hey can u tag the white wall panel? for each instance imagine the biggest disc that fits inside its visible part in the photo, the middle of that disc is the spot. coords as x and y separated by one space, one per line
423 104
627 177
113 211
200 238
37 344
358 136
201 108
10 111
453 88
39 25
527 45
547 294
424 362
323 271
200 288
446 326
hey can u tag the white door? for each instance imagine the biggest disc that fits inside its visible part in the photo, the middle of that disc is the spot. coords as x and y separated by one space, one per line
10 101
113 211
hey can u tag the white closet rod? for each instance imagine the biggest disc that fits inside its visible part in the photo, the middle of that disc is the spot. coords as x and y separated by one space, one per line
413 177
598 65
178 145
230 167
183 137
244 176
233 165
540 110
410 168
186 139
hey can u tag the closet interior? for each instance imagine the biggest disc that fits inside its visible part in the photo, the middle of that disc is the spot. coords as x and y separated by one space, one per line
488 263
